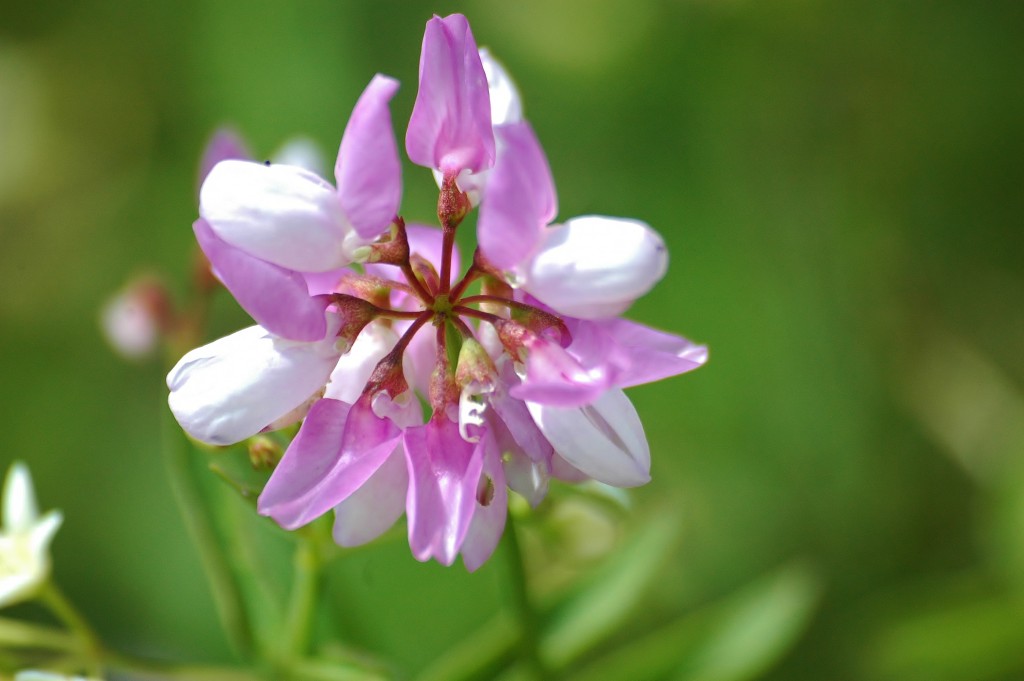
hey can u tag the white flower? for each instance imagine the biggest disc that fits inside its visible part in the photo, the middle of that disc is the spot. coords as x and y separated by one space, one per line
24 539
37 675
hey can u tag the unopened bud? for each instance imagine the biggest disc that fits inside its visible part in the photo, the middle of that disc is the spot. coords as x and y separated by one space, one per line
392 248
514 337
362 254
542 323
388 377
264 453
355 313
135 319
452 203
475 367
425 272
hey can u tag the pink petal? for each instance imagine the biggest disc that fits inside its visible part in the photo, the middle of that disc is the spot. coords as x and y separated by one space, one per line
565 471
373 508
520 199
225 145
420 357
450 127
444 471
516 418
555 377
324 283
344 458
491 509
368 170
308 458
646 354
282 214
524 475
275 297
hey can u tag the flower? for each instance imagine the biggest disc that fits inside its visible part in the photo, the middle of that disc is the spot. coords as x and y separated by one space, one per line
134 319
24 539
38 675
362 318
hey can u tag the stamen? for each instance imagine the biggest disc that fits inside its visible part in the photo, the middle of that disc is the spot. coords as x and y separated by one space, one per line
388 376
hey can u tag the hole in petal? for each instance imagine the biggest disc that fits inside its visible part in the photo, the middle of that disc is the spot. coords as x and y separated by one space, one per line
485 491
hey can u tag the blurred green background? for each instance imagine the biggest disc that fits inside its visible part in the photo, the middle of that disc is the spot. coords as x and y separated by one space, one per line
841 189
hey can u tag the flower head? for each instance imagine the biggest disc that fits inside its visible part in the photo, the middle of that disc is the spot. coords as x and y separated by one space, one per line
520 357
24 539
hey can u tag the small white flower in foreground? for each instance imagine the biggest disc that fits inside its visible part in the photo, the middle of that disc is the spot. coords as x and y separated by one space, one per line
37 675
24 539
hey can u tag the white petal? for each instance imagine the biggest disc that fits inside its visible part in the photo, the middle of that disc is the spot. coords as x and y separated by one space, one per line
605 439
472 406
20 510
373 508
354 367
234 387
42 533
594 267
506 104
283 214
527 478
302 152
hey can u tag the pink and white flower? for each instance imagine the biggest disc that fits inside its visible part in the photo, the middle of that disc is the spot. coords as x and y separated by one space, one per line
524 379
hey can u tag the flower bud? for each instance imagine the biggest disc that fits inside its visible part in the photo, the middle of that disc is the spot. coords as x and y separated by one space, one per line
135 318
264 453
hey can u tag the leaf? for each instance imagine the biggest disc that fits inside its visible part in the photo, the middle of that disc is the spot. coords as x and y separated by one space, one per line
479 656
735 639
755 628
331 670
597 611
961 629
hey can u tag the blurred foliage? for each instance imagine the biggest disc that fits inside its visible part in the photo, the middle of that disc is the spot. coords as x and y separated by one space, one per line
838 185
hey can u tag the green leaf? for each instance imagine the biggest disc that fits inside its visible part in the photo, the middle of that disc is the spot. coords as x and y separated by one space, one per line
731 640
331 670
960 629
755 627
611 596
479 656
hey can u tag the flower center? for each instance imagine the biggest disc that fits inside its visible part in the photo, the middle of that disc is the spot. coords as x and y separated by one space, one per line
445 306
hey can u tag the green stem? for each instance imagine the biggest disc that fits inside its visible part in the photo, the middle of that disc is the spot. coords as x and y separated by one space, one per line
227 595
529 622
68 614
142 669
305 593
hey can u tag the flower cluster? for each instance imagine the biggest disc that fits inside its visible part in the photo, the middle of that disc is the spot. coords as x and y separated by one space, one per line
363 320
